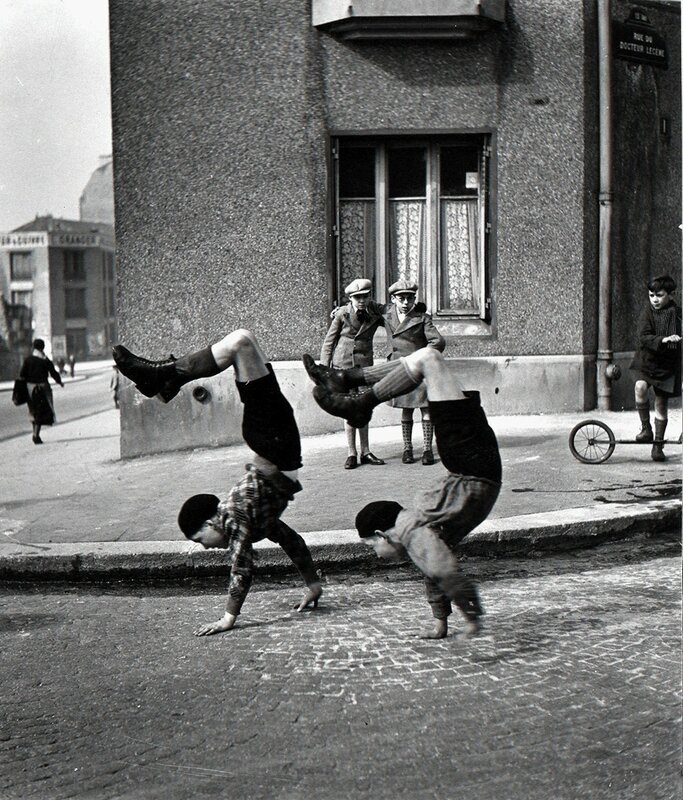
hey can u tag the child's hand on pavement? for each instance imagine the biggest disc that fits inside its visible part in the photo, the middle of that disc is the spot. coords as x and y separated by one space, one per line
311 596
225 623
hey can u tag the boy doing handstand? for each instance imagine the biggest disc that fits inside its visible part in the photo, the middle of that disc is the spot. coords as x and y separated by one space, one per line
252 509
441 517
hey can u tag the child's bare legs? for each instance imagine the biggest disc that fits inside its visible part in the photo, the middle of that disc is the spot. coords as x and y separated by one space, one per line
351 451
241 350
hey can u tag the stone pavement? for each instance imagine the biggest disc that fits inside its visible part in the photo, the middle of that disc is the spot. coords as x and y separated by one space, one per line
572 690
73 508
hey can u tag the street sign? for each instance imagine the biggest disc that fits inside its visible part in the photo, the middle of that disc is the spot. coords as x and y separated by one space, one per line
637 41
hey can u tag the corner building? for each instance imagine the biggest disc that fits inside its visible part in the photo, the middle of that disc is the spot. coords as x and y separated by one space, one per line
265 153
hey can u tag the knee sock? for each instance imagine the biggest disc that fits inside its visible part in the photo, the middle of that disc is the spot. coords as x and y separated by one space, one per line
200 364
375 373
407 431
660 429
397 382
364 436
427 433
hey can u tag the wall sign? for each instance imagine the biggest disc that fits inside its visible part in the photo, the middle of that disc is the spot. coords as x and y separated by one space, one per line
637 41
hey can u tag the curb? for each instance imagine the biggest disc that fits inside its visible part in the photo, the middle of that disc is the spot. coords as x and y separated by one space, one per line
527 534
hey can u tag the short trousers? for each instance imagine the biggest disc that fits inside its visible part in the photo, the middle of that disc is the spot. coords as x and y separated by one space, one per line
662 387
455 506
268 424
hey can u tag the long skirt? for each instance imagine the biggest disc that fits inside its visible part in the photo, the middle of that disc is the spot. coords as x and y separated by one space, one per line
40 404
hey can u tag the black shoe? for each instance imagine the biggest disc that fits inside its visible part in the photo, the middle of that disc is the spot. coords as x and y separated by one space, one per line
369 458
37 440
331 379
408 457
356 409
150 377
645 434
657 453
427 458
351 462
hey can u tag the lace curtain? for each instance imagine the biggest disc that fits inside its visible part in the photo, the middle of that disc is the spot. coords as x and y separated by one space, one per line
407 240
460 268
357 240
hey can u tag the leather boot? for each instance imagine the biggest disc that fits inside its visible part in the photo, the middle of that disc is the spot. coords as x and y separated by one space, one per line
356 409
645 434
657 453
148 376
334 380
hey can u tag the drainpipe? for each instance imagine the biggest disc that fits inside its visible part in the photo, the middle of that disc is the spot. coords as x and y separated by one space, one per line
605 370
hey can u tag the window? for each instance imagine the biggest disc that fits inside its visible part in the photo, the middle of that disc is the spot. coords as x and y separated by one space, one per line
74 265
74 303
20 266
22 298
77 342
415 209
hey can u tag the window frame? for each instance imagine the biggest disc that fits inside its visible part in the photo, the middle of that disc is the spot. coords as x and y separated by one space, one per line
451 321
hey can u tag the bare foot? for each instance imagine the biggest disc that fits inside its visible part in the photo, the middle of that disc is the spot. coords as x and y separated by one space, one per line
472 628
440 630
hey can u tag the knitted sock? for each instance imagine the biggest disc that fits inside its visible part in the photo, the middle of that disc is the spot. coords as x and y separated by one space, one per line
427 433
376 372
643 411
364 436
200 364
395 383
660 429
407 431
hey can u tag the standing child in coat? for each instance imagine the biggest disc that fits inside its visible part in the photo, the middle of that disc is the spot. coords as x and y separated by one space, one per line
410 329
348 344
657 362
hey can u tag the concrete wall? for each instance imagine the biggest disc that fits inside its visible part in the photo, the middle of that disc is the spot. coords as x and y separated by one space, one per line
222 114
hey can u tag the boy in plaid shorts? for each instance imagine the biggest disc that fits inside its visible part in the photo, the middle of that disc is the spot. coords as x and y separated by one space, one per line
442 516
252 510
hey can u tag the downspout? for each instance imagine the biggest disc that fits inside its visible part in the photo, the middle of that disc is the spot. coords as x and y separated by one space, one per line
605 370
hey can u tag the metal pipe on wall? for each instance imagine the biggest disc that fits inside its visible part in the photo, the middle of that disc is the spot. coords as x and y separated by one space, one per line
604 353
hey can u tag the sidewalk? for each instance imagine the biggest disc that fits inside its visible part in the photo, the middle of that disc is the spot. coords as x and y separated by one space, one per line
72 509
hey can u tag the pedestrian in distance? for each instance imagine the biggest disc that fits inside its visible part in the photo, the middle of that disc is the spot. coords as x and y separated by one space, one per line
252 509
347 344
114 382
72 365
61 365
429 531
657 361
409 329
35 371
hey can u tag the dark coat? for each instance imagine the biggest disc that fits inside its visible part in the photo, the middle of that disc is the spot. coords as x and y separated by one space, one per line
36 370
348 342
417 330
658 363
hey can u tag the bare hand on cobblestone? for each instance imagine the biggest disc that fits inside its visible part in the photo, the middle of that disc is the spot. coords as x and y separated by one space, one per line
311 597
225 623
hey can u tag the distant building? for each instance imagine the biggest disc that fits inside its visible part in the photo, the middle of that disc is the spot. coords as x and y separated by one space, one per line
96 204
61 274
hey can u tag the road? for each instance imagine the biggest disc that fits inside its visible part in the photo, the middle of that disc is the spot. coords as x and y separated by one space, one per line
572 691
76 400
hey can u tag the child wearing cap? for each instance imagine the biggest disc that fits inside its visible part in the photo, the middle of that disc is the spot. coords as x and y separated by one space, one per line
348 344
657 362
251 512
408 329
441 517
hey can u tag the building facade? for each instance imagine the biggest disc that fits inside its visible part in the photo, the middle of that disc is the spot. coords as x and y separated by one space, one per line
61 274
266 153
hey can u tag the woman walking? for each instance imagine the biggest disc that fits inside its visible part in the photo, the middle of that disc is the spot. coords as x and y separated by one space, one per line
35 371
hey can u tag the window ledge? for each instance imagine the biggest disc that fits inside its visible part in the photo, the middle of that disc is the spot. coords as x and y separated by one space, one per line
407 19
462 327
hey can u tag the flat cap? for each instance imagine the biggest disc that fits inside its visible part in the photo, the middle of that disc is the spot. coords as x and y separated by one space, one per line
359 286
403 287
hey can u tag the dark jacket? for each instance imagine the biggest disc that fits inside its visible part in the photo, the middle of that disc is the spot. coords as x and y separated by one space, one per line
348 342
653 358
36 370
417 330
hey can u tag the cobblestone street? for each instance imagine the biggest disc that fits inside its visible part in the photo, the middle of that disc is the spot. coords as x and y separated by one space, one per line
572 691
